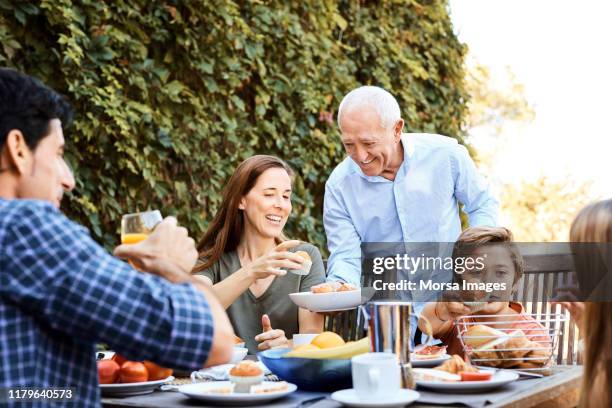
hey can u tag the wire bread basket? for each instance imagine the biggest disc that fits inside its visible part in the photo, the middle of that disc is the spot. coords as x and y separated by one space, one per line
525 342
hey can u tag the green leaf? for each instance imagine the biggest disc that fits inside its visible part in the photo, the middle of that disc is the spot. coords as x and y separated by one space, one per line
238 102
174 88
206 67
340 21
180 188
20 16
162 73
164 138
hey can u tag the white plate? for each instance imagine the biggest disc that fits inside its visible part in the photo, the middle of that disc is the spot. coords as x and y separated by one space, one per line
499 379
327 302
349 397
197 391
130 389
428 362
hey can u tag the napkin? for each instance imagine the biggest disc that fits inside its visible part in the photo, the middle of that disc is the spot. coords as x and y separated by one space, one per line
220 372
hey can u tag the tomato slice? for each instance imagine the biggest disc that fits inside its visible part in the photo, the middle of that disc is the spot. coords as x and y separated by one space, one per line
479 376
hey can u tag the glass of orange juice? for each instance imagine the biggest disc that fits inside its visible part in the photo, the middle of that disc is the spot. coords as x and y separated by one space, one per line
136 227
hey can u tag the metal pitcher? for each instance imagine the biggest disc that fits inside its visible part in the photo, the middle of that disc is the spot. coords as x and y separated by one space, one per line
389 331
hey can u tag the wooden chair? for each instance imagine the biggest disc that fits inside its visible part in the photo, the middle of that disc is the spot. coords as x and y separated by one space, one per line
544 273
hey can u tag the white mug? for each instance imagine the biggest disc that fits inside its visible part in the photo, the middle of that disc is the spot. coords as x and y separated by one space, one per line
299 339
376 375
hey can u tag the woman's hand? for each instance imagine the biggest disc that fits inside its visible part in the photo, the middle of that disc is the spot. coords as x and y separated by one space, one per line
270 337
272 262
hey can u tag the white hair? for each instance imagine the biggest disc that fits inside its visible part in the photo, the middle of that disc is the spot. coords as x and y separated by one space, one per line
376 98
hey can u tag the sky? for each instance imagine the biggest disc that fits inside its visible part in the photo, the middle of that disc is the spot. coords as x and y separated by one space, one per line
560 50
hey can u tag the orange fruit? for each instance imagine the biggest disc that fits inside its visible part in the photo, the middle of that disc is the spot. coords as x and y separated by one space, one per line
157 372
132 372
327 340
108 371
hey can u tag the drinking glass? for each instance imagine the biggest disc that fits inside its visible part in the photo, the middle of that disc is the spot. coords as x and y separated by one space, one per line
137 227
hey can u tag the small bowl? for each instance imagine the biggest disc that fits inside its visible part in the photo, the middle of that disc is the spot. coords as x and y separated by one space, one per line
308 374
238 355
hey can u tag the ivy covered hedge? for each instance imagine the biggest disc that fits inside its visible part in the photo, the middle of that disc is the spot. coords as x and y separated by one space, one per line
171 95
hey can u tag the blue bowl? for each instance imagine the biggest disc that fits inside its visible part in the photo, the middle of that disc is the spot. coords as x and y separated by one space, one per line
309 374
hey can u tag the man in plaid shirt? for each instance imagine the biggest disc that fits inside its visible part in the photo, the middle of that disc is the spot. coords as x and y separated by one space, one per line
60 292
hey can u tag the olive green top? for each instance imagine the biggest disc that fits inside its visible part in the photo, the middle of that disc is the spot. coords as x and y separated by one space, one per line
246 311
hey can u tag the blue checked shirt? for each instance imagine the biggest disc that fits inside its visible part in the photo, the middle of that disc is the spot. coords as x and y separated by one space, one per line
420 205
60 293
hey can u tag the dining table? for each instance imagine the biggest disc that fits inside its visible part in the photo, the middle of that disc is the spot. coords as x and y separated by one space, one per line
561 389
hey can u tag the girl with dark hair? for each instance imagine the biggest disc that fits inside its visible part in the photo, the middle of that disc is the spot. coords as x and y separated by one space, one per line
245 256
594 318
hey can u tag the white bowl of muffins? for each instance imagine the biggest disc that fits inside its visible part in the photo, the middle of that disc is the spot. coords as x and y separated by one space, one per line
329 297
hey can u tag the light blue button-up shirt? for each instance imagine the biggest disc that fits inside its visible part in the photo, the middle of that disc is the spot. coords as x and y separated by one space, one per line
420 205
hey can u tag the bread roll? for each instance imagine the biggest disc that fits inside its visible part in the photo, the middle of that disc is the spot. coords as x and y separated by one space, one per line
490 350
508 363
322 288
346 287
480 334
304 255
538 350
515 346
489 363
527 365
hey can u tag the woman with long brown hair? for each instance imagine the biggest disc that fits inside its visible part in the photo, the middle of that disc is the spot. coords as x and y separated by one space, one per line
592 225
245 256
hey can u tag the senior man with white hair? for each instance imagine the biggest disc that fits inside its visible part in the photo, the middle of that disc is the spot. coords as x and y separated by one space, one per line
395 187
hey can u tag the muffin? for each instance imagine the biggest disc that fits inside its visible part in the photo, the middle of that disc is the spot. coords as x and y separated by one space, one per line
322 288
305 269
346 287
245 374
